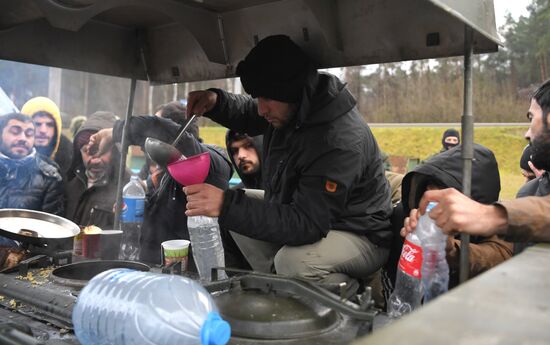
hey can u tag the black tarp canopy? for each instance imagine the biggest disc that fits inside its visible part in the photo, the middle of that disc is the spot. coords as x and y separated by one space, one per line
188 40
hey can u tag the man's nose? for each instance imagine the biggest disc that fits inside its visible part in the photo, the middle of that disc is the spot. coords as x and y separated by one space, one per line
262 107
527 134
95 160
242 154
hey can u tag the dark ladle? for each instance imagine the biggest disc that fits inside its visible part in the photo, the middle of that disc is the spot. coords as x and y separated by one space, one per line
161 152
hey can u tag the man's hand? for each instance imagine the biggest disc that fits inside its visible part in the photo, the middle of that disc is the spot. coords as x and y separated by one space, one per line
537 172
101 142
200 102
203 200
455 212
410 223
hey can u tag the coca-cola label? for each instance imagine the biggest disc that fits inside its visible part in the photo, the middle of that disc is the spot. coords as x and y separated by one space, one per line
411 259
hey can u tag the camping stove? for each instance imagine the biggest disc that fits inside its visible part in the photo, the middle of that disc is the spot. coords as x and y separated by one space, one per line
271 309
261 308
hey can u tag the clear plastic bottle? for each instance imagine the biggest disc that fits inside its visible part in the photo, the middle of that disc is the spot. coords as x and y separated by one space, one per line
423 271
435 269
206 246
407 294
127 307
133 196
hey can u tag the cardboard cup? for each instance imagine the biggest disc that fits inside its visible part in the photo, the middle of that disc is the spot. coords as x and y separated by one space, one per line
174 251
90 245
109 244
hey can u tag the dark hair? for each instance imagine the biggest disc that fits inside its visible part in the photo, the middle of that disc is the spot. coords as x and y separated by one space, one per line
4 119
176 112
542 96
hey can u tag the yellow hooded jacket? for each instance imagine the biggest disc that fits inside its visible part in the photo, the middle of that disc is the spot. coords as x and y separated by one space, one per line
36 104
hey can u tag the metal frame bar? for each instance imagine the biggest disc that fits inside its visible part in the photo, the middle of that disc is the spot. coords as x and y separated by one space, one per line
467 145
124 153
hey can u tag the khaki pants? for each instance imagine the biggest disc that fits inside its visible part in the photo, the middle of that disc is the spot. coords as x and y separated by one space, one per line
339 253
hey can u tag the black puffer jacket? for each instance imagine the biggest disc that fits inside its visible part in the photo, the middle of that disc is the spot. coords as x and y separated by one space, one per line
164 217
33 183
323 171
253 181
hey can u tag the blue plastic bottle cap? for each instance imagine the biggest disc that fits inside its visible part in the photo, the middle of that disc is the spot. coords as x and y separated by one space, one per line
431 205
215 330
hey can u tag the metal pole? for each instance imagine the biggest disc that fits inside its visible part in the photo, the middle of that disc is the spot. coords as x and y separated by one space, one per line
467 146
123 153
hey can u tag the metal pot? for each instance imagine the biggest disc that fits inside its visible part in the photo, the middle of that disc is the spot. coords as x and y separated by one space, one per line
78 274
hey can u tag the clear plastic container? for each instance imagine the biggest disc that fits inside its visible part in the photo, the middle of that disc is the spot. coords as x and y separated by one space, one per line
435 269
206 246
422 272
407 294
127 307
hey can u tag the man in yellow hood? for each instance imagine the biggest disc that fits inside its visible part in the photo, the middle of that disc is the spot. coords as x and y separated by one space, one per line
48 138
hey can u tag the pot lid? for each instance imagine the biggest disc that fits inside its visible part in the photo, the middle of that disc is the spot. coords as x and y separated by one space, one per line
21 224
274 315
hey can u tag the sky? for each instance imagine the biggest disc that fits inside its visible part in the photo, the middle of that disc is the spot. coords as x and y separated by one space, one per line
516 8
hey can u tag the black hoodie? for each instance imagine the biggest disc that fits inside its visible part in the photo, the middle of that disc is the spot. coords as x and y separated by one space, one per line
322 171
252 181
445 170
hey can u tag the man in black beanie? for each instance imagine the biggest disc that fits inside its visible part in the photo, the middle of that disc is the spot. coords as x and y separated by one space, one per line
526 170
326 207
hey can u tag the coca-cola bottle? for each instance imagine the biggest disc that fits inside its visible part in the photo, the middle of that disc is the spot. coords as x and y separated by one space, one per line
422 271
407 294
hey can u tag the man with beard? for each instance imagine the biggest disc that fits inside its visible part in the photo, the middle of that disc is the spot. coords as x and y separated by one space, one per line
92 186
521 220
28 180
327 203
245 152
49 141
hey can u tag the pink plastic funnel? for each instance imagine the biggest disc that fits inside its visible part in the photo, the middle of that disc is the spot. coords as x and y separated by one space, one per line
192 170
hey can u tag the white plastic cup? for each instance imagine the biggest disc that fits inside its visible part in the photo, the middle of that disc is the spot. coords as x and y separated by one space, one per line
175 251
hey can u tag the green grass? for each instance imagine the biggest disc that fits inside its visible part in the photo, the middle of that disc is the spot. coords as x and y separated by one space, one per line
421 142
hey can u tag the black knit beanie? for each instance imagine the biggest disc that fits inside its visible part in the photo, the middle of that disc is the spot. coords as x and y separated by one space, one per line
525 158
451 132
276 68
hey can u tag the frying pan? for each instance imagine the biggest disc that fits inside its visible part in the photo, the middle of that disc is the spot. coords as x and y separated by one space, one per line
37 228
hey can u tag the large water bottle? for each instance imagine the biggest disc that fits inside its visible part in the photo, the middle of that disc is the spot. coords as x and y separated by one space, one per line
127 307
435 269
133 196
206 246
407 294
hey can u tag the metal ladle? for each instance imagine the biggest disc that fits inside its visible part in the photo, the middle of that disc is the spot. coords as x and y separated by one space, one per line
163 153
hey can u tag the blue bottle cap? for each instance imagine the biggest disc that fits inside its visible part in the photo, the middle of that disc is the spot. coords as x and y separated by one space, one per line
215 330
431 205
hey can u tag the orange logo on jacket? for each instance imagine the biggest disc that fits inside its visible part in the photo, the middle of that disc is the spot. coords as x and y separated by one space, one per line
331 186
